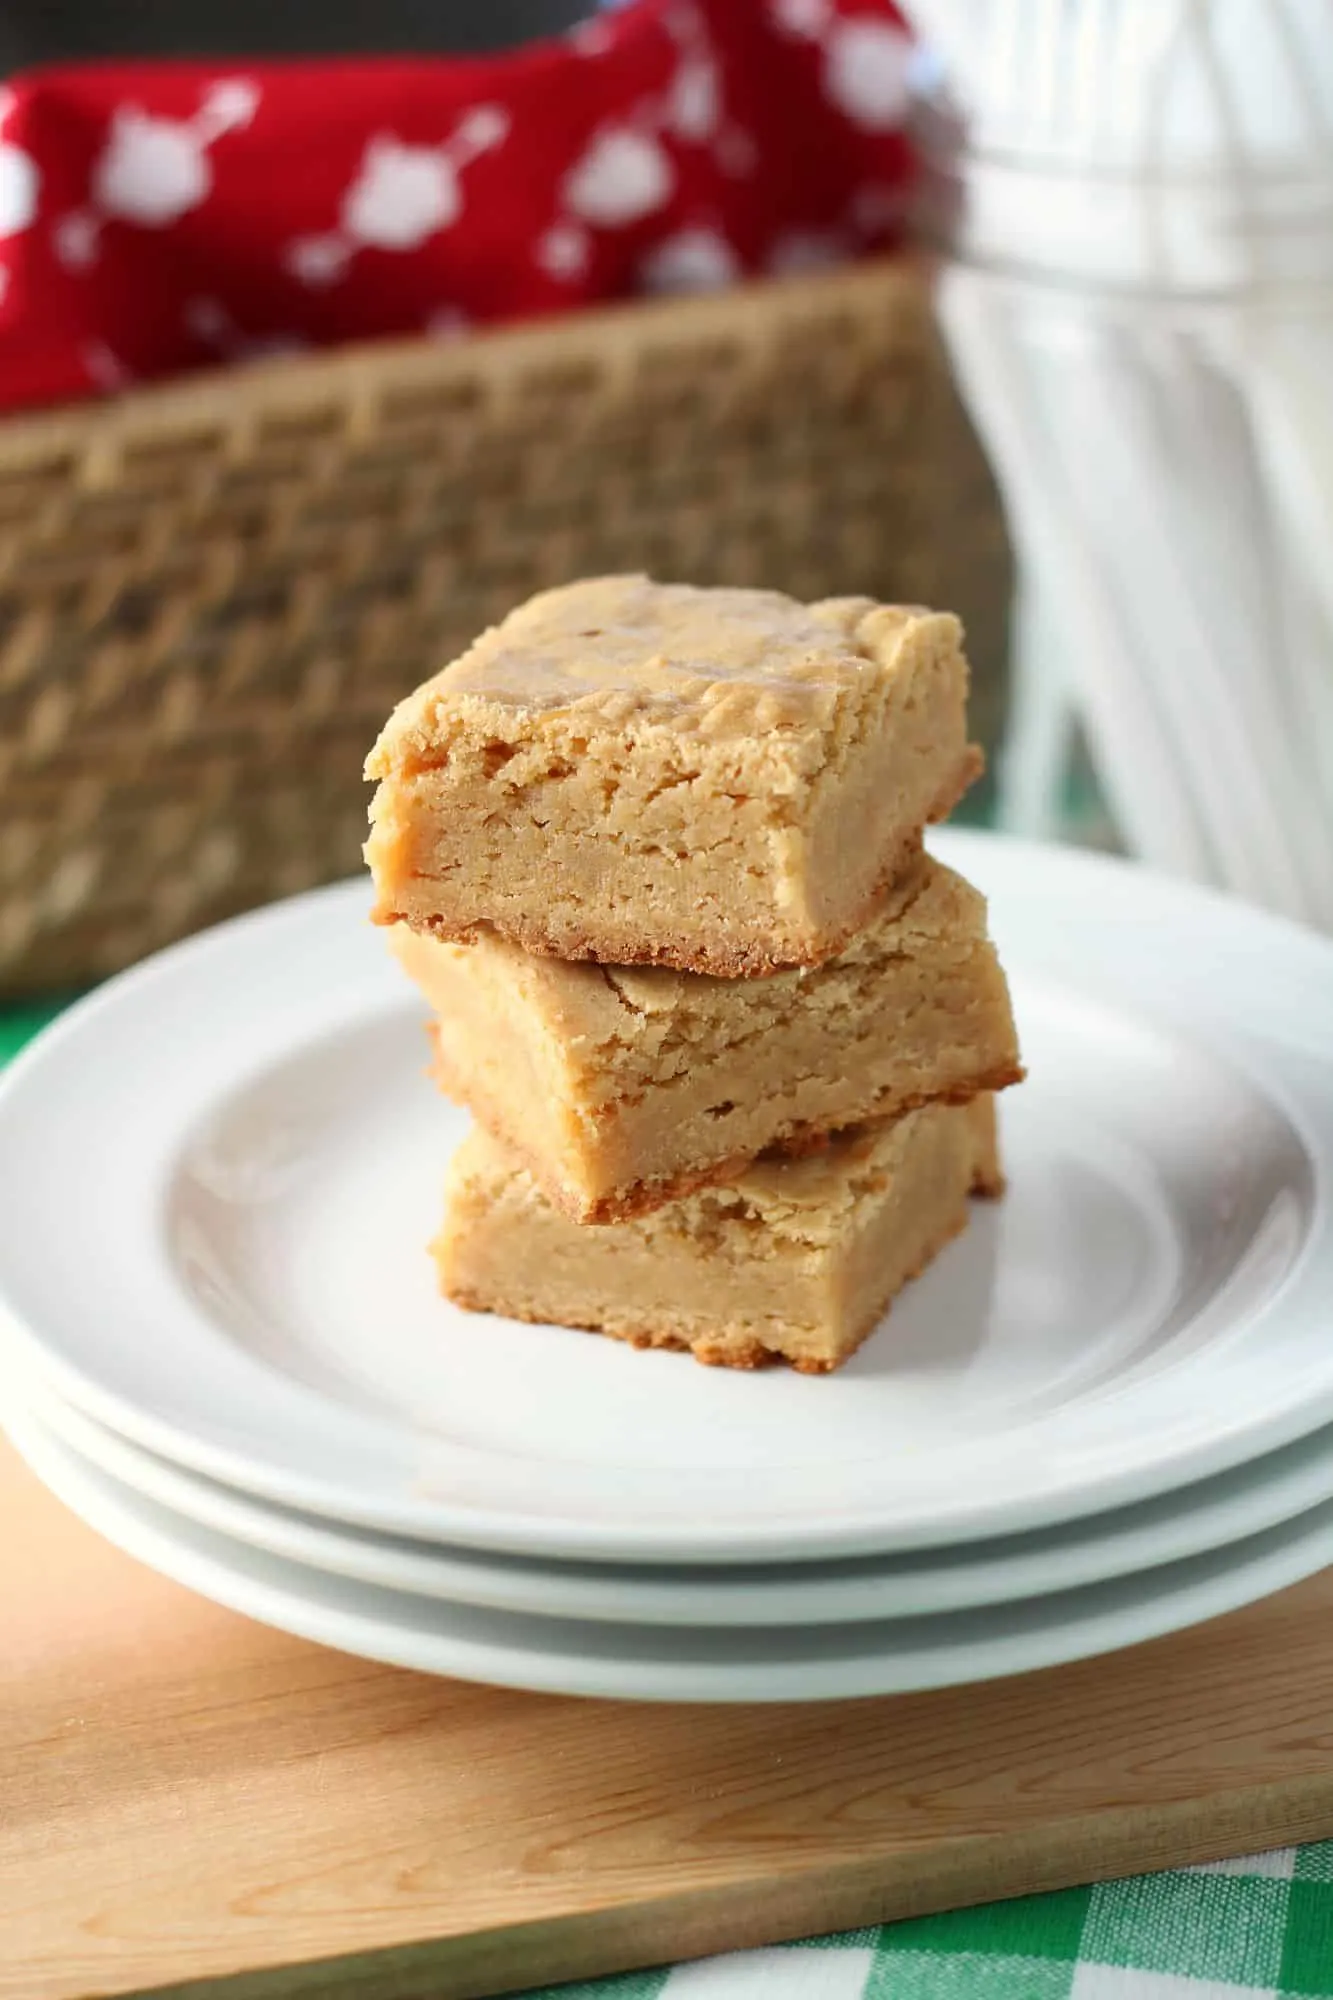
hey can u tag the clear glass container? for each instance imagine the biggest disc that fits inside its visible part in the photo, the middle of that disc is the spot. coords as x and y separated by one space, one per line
1141 319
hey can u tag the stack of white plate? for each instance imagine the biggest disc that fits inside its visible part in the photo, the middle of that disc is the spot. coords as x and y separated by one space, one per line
1105 1413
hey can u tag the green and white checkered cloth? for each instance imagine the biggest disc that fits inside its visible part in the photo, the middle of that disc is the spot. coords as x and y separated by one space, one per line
1260 1928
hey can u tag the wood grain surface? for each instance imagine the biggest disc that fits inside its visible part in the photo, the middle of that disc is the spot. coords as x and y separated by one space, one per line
193 1804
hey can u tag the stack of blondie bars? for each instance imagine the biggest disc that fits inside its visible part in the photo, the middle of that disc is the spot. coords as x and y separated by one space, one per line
653 854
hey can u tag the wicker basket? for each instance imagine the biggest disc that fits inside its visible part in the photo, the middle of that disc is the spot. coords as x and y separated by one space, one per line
211 594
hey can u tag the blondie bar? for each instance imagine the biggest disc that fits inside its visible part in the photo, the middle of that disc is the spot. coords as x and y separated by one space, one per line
622 1087
796 1261
639 773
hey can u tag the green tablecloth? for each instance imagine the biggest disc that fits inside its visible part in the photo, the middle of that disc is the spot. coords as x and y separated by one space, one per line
19 1024
1256 1929
1260 1928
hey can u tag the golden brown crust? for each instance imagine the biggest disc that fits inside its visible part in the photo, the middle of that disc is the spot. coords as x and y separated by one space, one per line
749 1356
798 1143
722 959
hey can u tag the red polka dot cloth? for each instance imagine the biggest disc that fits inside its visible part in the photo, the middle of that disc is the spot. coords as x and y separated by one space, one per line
161 217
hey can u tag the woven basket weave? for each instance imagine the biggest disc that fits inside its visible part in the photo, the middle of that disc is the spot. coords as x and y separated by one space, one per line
211 595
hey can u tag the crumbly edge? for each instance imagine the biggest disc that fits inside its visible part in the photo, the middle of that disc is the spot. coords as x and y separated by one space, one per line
748 1355
720 958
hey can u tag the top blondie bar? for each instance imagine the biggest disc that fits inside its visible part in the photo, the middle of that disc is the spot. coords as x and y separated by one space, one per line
640 773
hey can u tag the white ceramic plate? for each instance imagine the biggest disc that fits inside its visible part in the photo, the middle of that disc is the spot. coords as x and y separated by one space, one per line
646 1663
219 1172
1127 1541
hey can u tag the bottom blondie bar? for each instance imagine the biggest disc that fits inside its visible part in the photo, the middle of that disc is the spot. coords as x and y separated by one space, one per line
796 1260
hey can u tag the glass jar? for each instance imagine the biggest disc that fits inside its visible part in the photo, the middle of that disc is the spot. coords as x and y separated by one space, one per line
1141 318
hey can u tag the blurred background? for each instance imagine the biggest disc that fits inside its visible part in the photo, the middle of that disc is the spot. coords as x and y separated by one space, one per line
310 369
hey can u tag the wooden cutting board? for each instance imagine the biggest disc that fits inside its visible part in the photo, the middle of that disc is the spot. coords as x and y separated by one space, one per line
189 1802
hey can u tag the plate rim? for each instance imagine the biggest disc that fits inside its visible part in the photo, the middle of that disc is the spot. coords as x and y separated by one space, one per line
1291 1553
1274 1495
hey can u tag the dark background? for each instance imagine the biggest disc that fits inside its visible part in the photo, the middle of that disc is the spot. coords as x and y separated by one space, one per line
39 31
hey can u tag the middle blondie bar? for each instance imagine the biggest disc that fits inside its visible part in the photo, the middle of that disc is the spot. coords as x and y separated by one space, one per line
620 1088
